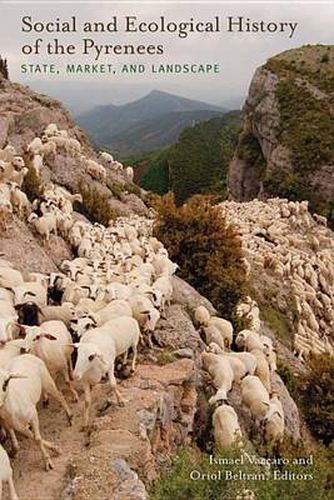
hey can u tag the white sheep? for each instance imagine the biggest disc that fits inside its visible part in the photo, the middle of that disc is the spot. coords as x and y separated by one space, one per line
248 340
222 374
145 313
225 327
9 351
7 329
21 386
106 159
35 146
65 313
255 396
30 291
213 335
114 309
262 368
274 420
37 163
241 363
202 316
10 277
19 200
51 130
129 173
226 428
7 310
6 474
164 286
96 170
44 225
97 352
51 342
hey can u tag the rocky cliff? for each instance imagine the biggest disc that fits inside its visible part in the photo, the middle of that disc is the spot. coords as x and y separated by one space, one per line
286 145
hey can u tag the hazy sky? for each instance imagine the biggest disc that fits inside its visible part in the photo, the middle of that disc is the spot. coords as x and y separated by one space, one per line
238 54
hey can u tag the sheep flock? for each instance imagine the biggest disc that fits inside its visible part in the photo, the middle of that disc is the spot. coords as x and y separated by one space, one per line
62 333
291 252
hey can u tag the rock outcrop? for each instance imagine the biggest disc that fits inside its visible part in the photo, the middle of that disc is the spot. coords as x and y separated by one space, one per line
24 115
286 144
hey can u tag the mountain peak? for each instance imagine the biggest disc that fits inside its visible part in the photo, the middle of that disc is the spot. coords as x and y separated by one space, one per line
108 121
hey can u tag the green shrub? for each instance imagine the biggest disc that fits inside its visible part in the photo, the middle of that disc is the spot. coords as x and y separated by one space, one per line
95 205
325 58
116 189
133 189
207 250
318 397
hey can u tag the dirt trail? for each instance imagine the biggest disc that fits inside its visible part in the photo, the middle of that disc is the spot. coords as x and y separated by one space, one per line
31 480
132 433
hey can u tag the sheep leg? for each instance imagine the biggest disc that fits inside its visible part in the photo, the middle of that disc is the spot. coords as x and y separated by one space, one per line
112 380
12 492
50 388
45 399
52 446
134 359
149 334
38 438
14 441
125 357
0 489
69 384
70 368
88 402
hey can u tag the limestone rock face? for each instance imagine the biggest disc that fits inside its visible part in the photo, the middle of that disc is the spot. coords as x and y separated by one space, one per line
284 147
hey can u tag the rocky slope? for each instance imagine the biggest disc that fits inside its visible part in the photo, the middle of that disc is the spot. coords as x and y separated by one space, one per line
286 144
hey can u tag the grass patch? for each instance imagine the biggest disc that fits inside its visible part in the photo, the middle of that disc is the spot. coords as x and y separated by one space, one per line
178 483
279 324
166 356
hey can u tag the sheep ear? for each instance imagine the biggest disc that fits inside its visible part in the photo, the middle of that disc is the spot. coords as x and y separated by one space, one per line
265 403
48 336
278 413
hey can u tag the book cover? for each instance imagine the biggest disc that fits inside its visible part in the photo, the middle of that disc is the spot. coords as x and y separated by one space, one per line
166 249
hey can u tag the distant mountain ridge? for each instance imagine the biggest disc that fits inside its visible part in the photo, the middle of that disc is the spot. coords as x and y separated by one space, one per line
151 122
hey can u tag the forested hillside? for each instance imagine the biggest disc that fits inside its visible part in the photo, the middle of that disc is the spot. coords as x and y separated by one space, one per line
197 163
